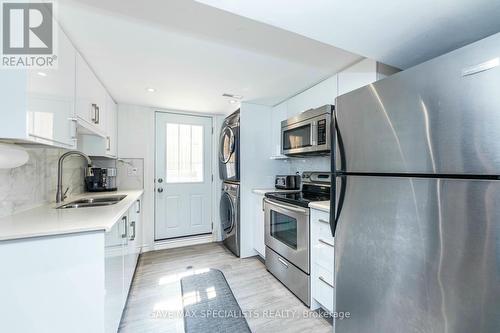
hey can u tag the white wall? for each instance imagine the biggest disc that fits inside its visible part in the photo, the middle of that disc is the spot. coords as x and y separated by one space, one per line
136 140
257 169
217 233
136 137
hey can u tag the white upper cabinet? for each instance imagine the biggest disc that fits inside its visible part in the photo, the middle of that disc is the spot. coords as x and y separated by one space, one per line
90 99
321 94
96 113
38 104
111 127
51 98
105 145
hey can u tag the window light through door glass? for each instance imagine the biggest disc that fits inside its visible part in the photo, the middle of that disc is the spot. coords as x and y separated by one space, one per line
184 153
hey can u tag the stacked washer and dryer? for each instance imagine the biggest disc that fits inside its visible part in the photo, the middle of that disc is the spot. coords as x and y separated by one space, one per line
229 172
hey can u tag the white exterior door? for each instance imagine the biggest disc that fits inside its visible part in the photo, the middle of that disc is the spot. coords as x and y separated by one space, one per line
183 175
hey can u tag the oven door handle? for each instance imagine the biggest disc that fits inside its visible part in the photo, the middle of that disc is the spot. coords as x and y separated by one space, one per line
294 209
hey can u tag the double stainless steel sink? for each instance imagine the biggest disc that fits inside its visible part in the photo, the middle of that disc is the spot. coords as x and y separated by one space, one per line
93 202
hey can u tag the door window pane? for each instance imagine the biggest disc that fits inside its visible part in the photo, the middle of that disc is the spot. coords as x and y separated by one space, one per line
184 153
284 229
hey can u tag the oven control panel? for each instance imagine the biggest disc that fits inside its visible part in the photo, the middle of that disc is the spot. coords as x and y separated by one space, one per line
316 177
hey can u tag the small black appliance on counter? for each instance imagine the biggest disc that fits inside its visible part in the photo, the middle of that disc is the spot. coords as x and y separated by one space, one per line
100 179
287 182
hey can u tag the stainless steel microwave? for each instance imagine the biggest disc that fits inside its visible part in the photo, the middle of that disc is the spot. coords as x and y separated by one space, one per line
307 133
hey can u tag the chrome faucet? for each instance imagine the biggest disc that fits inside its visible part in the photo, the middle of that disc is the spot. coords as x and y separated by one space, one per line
60 196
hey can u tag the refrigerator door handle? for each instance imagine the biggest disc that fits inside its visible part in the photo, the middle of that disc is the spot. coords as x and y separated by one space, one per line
336 208
340 144
343 187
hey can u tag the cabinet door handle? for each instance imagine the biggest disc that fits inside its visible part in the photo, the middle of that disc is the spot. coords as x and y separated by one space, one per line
98 118
132 225
72 131
322 279
108 146
325 242
138 206
124 220
323 221
94 113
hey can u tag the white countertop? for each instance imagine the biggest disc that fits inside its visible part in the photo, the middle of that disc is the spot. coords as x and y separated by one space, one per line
48 221
320 205
267 190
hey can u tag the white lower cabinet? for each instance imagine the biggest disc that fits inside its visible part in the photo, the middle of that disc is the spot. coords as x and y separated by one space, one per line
133 245
322 262
53 284
259 220
122 249
114 275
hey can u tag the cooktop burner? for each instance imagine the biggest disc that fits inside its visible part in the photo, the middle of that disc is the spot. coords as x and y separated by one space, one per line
309 193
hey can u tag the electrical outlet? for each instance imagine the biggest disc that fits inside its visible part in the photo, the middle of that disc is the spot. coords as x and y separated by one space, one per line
132 171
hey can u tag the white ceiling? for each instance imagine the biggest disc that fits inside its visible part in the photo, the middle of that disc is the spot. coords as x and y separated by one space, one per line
399 33
193 53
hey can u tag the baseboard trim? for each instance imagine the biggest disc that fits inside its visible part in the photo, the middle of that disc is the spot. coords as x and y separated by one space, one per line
179 242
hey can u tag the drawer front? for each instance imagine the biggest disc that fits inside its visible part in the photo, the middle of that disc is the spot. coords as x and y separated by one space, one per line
324 253
322 224
324 287
293 278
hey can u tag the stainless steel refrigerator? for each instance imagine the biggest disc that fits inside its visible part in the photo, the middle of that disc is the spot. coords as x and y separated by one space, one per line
417 212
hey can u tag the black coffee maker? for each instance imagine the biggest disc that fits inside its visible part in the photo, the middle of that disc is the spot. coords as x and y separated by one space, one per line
100 179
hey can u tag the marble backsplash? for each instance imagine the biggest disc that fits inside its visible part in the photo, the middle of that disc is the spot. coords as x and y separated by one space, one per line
34 183
312 163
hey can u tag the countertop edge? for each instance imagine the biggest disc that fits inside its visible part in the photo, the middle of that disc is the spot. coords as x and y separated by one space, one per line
16 235
323 206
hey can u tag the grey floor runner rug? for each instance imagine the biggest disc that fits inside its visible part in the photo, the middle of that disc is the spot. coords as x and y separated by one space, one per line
210 306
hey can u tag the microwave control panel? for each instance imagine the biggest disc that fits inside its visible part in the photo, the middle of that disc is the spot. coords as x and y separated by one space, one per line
322 132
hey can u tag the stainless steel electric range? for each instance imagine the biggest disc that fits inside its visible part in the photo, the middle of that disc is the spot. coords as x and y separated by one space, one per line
287 232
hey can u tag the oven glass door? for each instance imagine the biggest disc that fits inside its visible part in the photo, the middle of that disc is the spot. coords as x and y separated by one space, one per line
284 229
287 232
297 137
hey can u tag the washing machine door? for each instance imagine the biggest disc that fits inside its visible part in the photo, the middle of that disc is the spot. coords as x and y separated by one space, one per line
226 214
227 144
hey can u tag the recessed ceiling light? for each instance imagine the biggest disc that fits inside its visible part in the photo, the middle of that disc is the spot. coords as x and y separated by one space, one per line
42 74
232 96
233 101
150 89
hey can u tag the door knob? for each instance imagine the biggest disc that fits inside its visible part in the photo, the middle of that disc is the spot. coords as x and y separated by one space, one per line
160 190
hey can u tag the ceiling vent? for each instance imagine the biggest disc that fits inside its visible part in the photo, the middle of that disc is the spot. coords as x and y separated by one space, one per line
232 96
